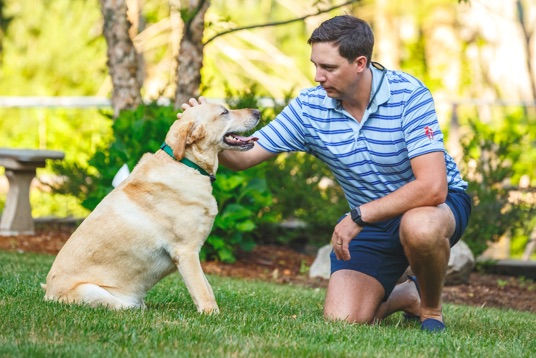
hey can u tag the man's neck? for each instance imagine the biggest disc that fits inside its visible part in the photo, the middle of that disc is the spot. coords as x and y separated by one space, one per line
358 102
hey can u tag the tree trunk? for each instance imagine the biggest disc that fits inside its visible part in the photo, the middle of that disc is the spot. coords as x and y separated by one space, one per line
528 31
190 58
122 56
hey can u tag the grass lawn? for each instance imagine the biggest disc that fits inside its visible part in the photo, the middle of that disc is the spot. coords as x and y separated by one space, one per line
257 319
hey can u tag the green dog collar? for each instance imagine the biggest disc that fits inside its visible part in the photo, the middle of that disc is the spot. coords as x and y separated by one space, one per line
166 148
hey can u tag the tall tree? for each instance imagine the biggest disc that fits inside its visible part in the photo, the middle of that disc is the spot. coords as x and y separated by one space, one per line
527 27
122 56
4 23
190 57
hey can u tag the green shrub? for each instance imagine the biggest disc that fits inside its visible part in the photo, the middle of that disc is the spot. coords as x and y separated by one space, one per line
490 157
305 189
243 202
135 132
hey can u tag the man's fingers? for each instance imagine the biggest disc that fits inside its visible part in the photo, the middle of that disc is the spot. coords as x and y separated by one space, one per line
341 250
345 252
192 102
196 102
336 253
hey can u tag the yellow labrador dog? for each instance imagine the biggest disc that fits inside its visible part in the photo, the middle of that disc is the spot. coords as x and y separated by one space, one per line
155 221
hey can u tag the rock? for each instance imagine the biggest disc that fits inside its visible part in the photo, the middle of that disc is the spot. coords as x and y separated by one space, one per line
461 264
321 266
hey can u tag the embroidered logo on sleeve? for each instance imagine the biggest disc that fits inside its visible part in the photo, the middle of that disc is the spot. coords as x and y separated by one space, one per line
429 132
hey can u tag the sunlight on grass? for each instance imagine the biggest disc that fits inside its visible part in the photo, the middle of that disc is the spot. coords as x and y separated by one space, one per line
257 319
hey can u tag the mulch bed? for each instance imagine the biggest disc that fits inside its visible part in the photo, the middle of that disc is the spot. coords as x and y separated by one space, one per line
286 266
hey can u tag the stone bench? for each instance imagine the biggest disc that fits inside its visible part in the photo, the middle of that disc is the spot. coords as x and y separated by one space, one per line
20 169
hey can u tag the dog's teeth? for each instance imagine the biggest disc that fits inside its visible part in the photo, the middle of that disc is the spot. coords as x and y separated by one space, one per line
242 139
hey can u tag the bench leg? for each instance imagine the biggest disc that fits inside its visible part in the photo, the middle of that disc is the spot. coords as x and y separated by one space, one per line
17 215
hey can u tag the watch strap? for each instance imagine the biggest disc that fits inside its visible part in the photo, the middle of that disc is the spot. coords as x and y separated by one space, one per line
356 217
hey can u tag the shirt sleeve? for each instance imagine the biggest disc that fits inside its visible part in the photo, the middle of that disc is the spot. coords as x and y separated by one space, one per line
420 125
285 133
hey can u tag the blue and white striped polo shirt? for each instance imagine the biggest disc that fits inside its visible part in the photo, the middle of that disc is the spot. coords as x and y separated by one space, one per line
369 159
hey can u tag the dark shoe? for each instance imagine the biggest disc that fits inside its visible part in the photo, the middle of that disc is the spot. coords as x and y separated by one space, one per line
409 316
432 325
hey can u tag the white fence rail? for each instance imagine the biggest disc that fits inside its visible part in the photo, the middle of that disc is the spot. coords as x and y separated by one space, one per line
103 102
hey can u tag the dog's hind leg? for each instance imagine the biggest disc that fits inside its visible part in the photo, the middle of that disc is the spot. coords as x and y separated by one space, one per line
196 282
95 295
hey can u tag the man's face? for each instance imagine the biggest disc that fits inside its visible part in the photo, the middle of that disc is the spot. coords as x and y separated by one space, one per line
334 73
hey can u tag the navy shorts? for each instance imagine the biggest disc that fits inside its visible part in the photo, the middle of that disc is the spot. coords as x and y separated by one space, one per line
377 251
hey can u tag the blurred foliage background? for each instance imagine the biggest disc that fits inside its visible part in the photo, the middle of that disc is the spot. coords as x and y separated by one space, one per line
475 56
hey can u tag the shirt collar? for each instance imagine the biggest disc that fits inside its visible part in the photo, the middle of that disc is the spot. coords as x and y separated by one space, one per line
382 86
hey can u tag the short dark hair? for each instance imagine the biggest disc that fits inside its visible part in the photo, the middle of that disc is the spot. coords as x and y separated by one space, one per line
353 36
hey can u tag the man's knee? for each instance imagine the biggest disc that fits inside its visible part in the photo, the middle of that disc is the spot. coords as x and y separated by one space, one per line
353 317
353 297
427 227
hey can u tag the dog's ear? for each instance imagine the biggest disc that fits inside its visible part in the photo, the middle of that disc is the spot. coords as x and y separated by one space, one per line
178 141
186 134
197 132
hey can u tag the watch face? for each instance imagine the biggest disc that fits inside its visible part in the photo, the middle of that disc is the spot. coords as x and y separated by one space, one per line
355 215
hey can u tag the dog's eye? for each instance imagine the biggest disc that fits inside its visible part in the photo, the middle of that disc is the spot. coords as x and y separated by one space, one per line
225 111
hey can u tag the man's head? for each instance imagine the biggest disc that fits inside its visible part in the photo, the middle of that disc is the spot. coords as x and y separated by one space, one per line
353 36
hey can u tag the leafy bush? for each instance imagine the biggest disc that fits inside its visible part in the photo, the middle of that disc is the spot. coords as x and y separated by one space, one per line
135 132
243 201
304 189
490 156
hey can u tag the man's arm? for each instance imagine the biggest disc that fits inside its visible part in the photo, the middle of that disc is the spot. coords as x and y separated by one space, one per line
237 161
429 188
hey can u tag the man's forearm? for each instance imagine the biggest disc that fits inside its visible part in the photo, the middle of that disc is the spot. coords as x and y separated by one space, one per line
429 188
239 161
228 160
412 195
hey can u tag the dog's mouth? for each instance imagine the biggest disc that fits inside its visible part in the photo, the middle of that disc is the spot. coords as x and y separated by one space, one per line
235 140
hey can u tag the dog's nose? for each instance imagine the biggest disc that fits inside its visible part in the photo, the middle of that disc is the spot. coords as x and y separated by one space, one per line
257 113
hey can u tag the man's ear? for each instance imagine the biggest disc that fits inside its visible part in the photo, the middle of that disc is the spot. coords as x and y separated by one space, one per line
361 63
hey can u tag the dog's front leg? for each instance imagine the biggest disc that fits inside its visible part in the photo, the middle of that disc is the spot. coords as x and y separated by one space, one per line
196 282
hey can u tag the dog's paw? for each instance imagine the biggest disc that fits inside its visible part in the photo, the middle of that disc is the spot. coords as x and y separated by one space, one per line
210 309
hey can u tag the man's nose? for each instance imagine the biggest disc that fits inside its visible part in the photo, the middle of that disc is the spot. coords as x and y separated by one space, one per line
319 76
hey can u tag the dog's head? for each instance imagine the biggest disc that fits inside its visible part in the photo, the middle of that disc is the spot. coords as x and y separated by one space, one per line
208 126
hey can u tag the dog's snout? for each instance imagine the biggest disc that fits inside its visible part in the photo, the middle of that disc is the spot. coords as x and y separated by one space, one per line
256 113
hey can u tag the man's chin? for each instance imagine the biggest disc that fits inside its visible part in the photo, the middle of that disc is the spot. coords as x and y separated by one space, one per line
331 93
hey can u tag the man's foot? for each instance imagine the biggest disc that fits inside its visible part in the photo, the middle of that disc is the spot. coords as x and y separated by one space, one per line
432 325
412 313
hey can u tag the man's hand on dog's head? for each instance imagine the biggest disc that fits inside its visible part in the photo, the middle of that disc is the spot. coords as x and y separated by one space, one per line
192 102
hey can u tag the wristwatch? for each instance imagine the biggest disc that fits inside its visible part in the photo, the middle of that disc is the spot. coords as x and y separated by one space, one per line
356 217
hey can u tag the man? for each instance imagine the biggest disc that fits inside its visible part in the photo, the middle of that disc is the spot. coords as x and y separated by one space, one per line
378 132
